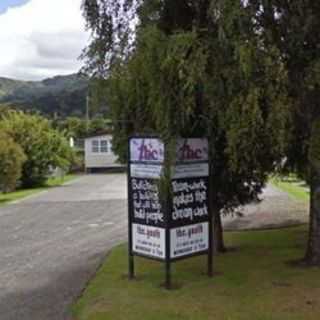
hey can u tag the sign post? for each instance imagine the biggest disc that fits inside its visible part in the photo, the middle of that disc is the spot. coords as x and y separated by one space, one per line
179 226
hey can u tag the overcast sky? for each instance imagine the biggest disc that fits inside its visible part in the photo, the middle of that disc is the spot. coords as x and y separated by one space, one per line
40 38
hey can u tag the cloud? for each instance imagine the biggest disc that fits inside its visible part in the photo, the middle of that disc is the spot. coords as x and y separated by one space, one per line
41 39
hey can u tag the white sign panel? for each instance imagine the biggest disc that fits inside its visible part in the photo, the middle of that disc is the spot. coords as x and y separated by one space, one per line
192 150
149 241
146 150
189 240
190 170
149 171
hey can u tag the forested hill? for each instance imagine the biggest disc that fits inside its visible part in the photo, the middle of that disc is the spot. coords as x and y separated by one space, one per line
61 95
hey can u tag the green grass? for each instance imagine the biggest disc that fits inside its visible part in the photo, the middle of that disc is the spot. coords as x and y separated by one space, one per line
293 186
253 281
23 193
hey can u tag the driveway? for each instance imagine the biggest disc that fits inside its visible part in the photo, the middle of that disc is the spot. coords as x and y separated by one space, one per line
277 209
52 244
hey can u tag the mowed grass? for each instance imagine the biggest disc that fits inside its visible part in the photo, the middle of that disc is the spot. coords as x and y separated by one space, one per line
295 187
23 193
253 281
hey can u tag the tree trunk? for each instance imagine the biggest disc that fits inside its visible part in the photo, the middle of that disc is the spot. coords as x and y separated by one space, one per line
313 250
218 243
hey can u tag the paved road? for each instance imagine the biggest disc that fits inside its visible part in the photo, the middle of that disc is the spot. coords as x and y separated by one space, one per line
52 244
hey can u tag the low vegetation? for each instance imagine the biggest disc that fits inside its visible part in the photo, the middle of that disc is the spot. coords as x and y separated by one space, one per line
255 280
35 150
295 187
12 159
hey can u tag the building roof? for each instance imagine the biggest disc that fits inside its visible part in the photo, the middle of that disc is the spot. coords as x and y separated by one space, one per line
98 134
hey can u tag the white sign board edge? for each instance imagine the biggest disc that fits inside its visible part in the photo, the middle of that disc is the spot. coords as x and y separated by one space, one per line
190 170
147 171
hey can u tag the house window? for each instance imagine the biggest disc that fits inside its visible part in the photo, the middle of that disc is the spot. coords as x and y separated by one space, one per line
100 146
95 146
104 146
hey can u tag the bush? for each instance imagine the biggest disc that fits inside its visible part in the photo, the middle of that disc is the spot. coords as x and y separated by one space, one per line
44 147
12 158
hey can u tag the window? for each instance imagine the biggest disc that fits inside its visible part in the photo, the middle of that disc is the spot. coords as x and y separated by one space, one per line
104 146
95 146
100 146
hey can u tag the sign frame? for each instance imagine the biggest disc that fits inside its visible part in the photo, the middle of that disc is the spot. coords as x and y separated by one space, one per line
167 209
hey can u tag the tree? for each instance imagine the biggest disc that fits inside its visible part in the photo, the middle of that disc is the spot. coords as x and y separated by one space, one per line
3 110
79 128
197 68
72 126
44 147
293 26
11 162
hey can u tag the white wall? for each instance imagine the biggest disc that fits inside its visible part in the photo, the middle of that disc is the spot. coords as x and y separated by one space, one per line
99 159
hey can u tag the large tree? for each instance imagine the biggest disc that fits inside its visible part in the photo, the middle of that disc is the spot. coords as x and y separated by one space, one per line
293 26
194 68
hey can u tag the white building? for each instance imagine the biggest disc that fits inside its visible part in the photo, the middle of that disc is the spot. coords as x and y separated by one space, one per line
98 153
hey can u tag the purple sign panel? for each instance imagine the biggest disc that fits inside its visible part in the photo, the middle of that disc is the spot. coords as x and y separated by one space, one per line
192 150
147 150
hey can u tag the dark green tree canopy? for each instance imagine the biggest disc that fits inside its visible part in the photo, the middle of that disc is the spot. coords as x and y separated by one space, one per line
193 68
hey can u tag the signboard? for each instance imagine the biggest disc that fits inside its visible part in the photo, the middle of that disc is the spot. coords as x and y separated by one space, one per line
188 240
146 216
181 227
149 241
190 209
148 150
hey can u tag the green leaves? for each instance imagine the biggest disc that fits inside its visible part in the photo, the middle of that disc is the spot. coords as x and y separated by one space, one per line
204 68
12 158
43 147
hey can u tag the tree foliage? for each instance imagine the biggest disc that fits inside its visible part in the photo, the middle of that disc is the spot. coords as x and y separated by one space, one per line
199 68
11 162
79 128
44 147
60 96
293 27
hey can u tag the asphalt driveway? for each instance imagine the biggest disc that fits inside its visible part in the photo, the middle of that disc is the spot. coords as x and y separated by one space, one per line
51 245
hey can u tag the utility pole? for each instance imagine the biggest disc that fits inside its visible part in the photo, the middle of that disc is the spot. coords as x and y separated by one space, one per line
87 111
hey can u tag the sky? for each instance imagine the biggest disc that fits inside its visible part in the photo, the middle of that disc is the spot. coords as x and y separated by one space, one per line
5 4
40 38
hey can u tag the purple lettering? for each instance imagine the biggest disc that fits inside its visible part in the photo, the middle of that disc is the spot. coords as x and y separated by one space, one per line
187 153
147 153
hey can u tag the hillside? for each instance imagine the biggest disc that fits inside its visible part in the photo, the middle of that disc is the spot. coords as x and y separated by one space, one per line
61 95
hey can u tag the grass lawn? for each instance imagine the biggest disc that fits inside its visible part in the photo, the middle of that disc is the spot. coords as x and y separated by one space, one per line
253 281
20 194
293 186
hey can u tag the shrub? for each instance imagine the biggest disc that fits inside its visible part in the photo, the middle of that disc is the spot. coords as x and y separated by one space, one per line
44 147
12 158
